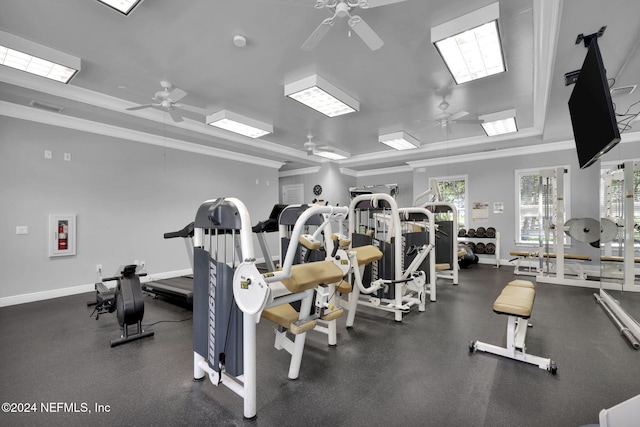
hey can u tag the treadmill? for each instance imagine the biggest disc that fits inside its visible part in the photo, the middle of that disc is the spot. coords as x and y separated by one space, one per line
178 289
269 226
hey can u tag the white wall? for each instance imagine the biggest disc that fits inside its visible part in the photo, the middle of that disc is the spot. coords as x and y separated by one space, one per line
334 184
125 194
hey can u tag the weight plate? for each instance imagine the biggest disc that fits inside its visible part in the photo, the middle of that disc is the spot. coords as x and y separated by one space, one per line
490 248
480 248
491 232
480 232
471 232
462 232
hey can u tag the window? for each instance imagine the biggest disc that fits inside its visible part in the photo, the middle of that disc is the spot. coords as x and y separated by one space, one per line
530 201
453 189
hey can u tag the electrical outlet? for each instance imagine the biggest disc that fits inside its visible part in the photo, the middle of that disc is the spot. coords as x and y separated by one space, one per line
142 264
99 268
67 157
22 229
48 154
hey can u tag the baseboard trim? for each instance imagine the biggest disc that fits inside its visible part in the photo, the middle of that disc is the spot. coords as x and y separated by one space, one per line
81 289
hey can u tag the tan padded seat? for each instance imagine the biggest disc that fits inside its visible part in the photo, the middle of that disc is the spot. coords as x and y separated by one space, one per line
366 254
461 253
515 301
344 287
520 253
443 267
520 282
309 275
285 315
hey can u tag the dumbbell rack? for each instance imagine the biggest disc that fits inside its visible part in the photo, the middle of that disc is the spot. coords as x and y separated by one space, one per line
494 240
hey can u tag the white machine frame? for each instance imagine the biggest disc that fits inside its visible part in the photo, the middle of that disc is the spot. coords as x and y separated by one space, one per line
625 323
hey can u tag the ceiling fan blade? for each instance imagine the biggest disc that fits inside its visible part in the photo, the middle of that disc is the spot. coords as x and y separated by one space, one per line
458 115
375 3
175 115
140 107
177 94
318 34
365 32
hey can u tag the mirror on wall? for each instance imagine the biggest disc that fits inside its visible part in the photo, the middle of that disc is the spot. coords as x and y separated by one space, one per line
619 245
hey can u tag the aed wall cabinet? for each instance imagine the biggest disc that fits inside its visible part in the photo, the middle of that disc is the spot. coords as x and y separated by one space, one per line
62 235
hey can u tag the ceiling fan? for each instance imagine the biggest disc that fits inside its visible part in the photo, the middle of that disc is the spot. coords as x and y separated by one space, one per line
446 119
341 9
311 148
166 100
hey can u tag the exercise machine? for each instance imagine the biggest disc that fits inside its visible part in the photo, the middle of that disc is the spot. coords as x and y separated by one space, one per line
126 300
176 288
388 261
320 243
231 296
446 220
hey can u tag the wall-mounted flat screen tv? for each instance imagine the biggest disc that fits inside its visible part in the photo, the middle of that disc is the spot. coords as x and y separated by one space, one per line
593 118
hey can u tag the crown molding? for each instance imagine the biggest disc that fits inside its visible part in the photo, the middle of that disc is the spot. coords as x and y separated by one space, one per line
54 119
295 172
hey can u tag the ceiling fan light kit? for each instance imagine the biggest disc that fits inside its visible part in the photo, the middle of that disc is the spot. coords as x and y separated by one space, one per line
320 95
237 123
399 140
470 45
499 123
34 58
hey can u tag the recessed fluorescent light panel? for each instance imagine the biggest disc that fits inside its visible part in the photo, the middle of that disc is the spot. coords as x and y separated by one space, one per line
330 155
33 58
499 123
122 6
317 93
399 141
239 124
470 45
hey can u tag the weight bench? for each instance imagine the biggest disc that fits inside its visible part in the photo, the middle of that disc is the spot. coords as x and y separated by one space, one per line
515 301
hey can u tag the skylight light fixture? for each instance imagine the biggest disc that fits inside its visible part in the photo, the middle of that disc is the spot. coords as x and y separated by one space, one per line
499 123
33 58
331 153
322 96
399 140
234 122
470 45
122 6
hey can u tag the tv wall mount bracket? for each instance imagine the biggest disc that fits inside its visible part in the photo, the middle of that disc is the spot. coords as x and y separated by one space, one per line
587 39
572 76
